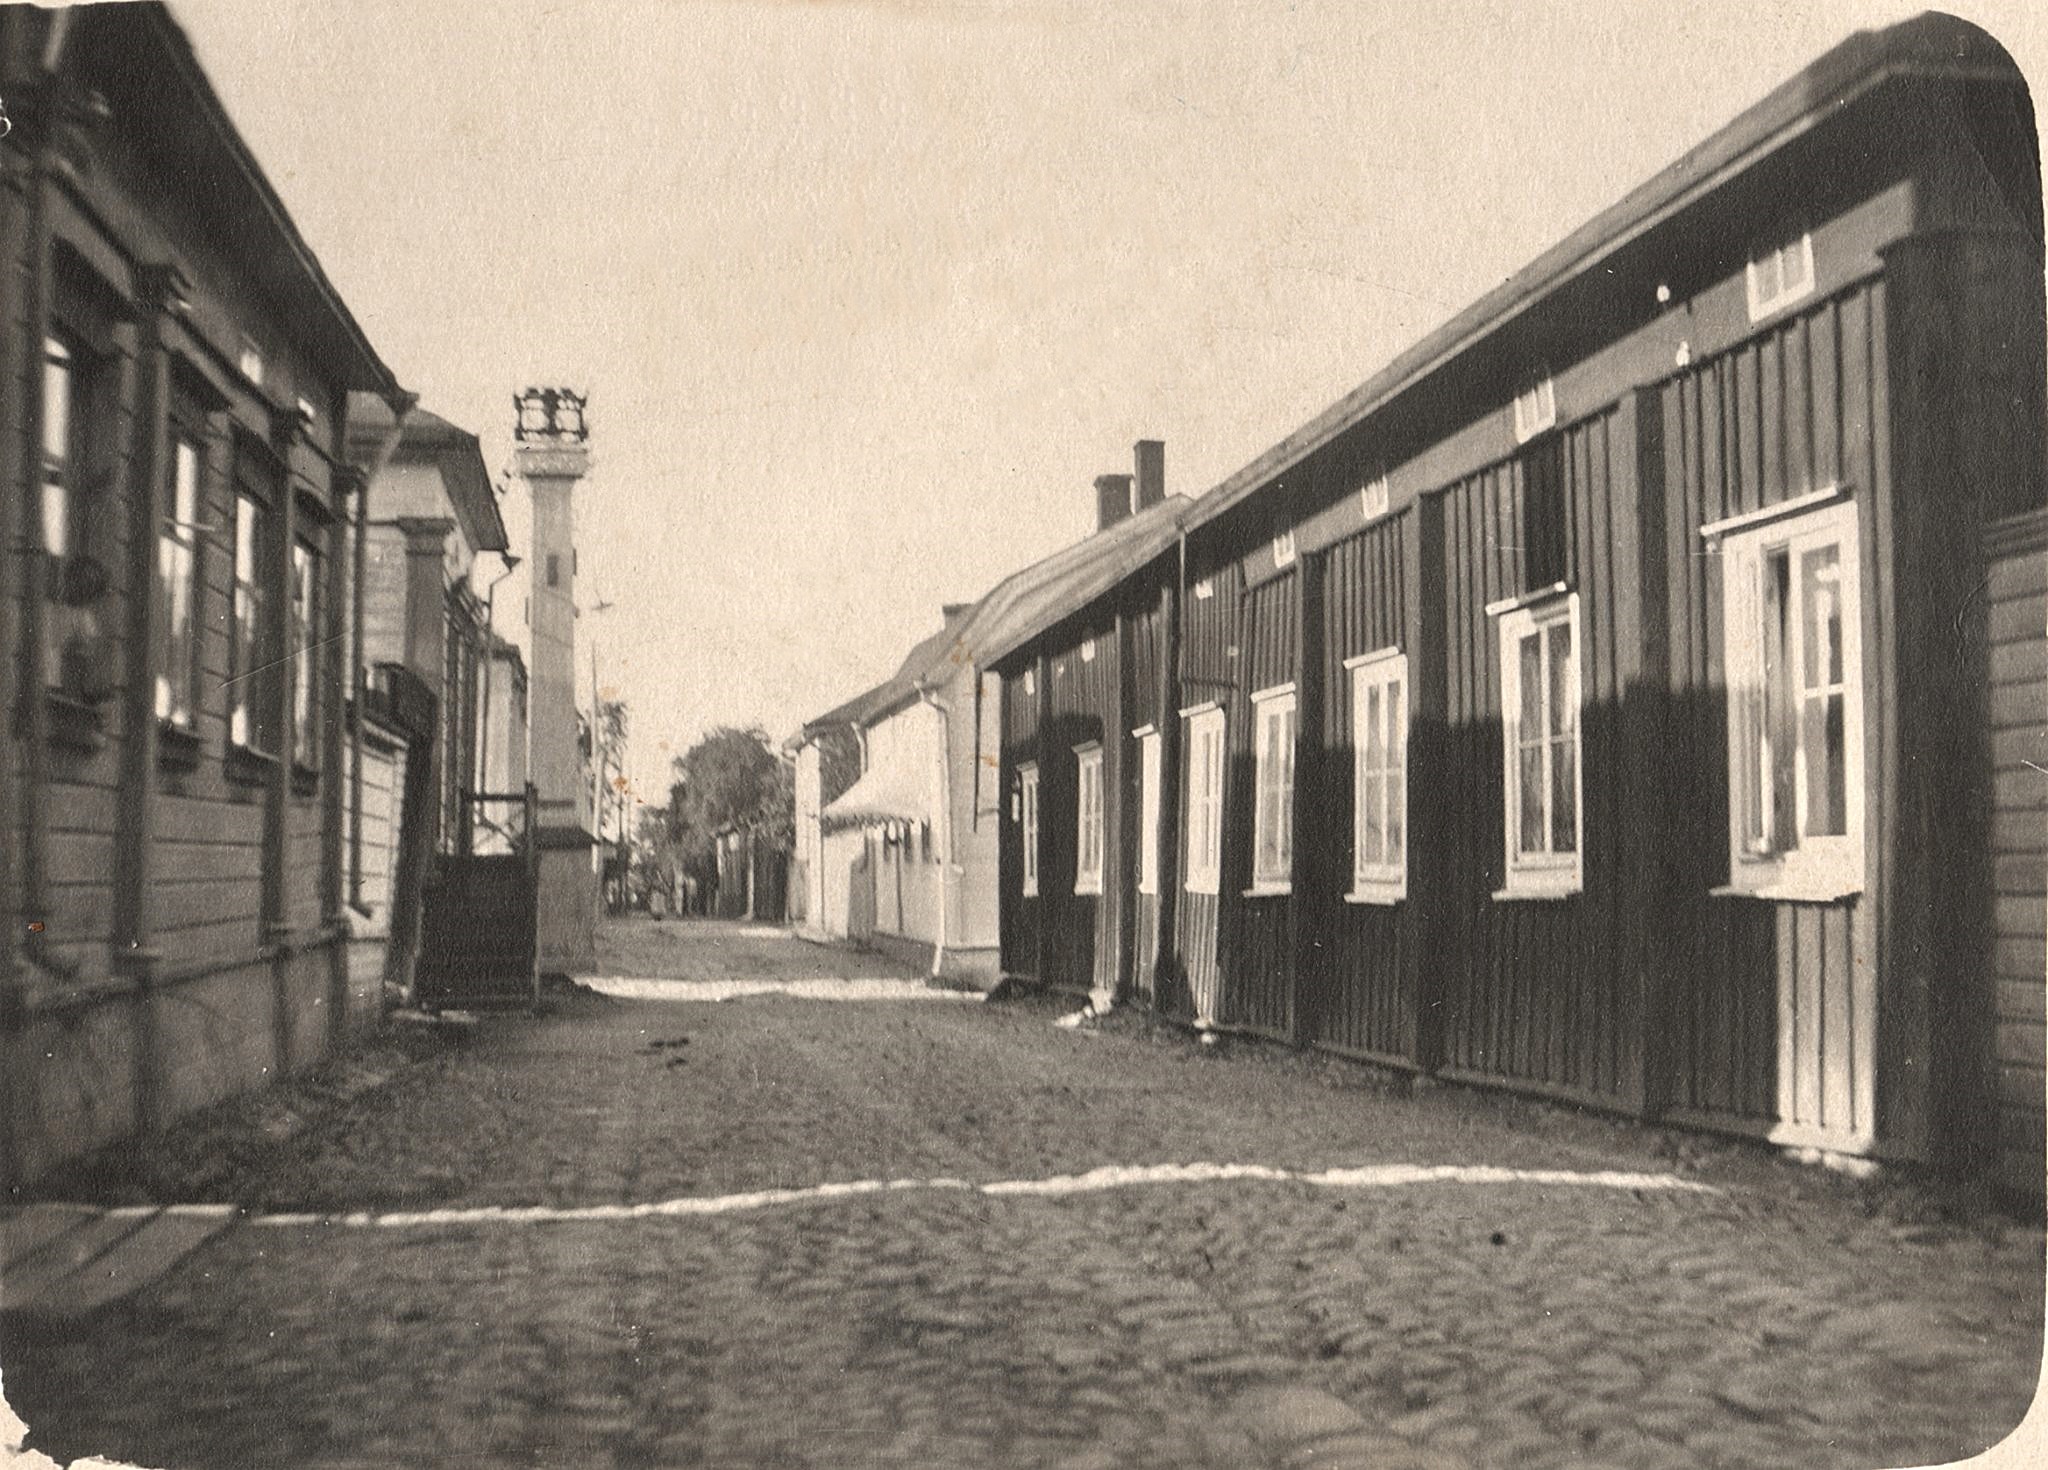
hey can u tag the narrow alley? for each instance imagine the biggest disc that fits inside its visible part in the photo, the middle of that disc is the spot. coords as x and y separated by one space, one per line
599 1238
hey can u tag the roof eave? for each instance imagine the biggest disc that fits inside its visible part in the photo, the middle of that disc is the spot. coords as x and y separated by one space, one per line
1789 111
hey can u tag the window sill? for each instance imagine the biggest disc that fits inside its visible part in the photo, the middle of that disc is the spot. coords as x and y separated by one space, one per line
1269 890
72 723
1811 891
248 767
177 747
1087 890
1385 896
1539 890
1206 890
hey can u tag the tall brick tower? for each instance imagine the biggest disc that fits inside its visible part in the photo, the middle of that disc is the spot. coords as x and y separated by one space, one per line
553 453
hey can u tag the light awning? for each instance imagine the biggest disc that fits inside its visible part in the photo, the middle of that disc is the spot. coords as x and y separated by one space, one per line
882 795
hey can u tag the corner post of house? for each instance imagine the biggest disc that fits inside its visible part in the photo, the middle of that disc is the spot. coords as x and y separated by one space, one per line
1964 373
1308 863
1431 879
279 939
160 288
1119 877
1650 843
425 632
1170 735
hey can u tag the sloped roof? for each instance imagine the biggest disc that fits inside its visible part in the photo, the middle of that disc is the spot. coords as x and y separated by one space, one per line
143 61
1929 44
1027 603
1014 611
457 452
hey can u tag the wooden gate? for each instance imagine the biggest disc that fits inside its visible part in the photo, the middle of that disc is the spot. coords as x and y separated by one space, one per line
478 924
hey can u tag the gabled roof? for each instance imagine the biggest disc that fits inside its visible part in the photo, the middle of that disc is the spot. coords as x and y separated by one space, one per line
457 452
1929 45
140 57
1014 611
1028 603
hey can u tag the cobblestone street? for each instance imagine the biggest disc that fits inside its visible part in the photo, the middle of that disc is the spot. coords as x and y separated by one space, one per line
1777 1317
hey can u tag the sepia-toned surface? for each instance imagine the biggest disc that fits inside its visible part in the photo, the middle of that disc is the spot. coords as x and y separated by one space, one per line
1786 1317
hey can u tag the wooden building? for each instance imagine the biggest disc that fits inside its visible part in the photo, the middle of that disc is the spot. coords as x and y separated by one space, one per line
174 409
1624 695
910 852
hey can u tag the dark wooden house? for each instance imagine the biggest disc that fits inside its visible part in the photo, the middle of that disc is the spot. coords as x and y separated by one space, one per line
173 406
1624 695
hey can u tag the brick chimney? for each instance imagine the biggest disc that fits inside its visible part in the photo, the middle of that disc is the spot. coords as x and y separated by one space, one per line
1151 456
1112 500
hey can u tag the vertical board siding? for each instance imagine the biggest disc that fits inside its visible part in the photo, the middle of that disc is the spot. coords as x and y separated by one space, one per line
1364 973
1208 672
1259 960
1018 915
1541 992
1144 647
1078 695
2017 701
1774 1022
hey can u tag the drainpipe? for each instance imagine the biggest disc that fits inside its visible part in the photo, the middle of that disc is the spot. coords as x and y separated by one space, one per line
945 801
402 404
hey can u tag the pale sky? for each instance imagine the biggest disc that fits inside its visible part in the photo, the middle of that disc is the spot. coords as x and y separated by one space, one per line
866 295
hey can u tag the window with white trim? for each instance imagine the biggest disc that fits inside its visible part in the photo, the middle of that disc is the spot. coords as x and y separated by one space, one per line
1273 764
1088 818
1087 650
1379 790
1535 410
1205 588
252 662
1539 664
1792 649
178 583
1027 785
307 656
1374 498
1779 277
1205 801
1149 768
1283 549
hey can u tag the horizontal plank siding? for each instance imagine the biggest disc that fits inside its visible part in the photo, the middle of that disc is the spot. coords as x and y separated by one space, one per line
2016 594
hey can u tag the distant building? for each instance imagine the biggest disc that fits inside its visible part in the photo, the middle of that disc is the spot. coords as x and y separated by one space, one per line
430 511
905 856
174 656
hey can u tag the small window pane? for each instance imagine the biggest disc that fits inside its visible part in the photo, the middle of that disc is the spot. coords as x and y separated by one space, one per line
1564 797
1531 688
1531 784
1820 576
1564 697
1396 796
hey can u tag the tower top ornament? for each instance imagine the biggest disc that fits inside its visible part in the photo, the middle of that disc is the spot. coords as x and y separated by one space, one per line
550 416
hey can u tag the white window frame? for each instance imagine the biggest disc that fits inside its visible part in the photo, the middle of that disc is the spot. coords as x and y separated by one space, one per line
1207 758
1375 497
1088 817
1535 409
1778 277
1030 682
1275 738
1087 650
1205 588
1151 753
1383 672
1027 823
1283 549
1549 873
1814 867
